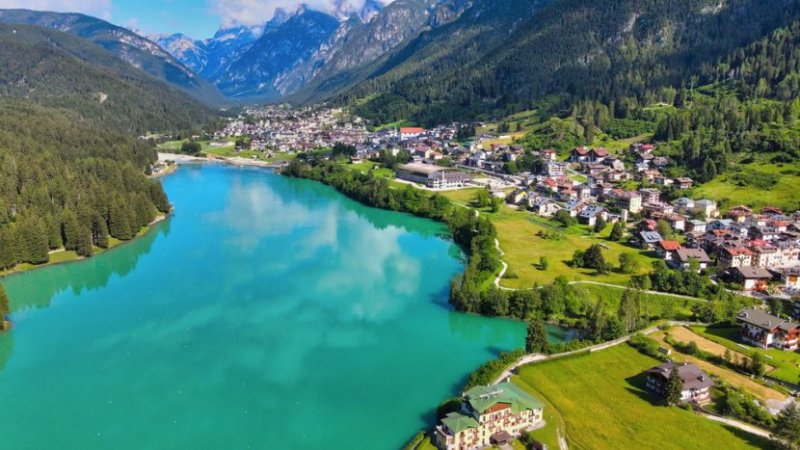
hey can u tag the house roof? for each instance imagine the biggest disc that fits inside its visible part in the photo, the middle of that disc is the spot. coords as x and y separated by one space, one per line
426 169
458 422
481 398
685 254
753 273
650 237
670 246
763 320
409 130
691 375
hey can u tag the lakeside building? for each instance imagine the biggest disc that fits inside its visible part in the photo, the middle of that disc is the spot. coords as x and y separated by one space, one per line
434 177
765 330
489 415
696 384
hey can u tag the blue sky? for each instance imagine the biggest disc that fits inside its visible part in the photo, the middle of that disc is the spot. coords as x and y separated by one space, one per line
196 18
191 17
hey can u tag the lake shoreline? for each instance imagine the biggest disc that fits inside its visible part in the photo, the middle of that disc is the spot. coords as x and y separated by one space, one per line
16 270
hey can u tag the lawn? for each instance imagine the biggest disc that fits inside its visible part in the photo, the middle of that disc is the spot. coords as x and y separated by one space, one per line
655 306
617 146
755 185
207 147
787 364
601 400
517 231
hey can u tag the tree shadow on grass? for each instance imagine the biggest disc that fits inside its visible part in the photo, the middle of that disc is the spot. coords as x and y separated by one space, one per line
636 385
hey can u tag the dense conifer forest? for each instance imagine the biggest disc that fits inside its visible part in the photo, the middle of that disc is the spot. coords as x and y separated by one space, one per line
72 168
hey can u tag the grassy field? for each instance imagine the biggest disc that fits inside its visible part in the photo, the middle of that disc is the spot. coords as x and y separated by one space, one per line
755 185
518 237
735 379
787 364
601 401
656 306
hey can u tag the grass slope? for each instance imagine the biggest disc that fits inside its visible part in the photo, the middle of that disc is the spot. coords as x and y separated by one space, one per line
518 237
602 401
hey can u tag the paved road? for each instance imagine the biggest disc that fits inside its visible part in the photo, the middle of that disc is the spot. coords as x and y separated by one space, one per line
740 425
537 357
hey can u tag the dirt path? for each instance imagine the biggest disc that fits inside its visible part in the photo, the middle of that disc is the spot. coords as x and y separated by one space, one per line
740 425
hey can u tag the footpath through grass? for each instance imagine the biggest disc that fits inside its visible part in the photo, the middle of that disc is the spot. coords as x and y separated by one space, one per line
601 400
525 238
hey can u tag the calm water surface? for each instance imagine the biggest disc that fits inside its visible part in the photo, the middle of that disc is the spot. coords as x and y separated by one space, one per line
268 312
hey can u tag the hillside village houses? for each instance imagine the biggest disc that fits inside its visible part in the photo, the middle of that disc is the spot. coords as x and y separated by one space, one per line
589 183
489 415
765 330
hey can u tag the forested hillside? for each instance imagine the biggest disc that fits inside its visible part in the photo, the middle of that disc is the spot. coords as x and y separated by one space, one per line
59 70
72 171
624 54
129 47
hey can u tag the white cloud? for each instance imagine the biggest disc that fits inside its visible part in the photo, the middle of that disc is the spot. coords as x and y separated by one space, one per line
97 8
257 12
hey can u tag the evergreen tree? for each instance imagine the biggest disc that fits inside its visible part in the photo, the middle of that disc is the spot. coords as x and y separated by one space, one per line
599 320
120 223
757 365
599 225
787 426
617 232
536 340
630 310
70 230
5 306
594 259
84 242
674 387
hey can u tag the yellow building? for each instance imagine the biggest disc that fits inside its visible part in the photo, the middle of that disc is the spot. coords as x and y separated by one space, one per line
489 415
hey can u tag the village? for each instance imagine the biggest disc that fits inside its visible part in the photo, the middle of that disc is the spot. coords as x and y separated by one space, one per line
750 252
754 252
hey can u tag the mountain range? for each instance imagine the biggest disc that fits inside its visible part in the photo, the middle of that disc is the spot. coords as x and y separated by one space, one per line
440 60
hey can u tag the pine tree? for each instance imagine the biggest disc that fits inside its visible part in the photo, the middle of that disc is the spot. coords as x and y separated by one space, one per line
70 230
99 231
788 425
617 232
5 307
674 387
120 221
536 341
84 242
630 310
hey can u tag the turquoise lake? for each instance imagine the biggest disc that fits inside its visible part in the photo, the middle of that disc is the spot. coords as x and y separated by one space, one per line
265 313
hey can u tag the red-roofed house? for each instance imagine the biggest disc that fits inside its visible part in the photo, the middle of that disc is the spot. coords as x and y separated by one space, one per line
597 155
665 249
580 154
410 132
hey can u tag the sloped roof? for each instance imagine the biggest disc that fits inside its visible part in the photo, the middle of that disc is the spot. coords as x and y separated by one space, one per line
458 422
482 398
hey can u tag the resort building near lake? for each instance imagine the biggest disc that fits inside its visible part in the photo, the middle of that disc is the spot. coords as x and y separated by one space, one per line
765 330
489 415
434 177
696 384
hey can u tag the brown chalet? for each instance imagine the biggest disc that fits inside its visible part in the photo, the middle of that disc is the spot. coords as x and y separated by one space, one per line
696 384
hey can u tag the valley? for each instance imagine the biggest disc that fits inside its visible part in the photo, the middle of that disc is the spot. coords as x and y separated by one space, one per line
545 222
